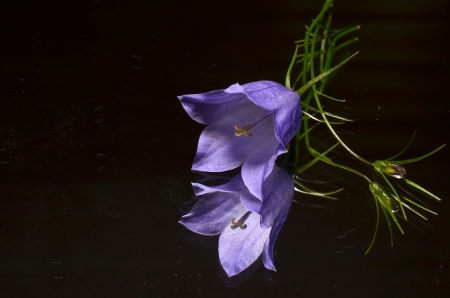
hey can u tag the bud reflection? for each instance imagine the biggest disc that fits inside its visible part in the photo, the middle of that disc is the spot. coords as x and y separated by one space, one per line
383 196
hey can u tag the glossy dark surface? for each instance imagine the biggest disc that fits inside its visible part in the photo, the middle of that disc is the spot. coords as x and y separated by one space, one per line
96 150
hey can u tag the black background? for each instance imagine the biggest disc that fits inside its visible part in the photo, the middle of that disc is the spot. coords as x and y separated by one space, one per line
96 150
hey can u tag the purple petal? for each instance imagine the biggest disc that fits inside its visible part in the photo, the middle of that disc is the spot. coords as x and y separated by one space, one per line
236 184
266 94
287 120
279 191
211 106
239 248
267 255
278 196
219 149
259 165
250 202
272 96
213 213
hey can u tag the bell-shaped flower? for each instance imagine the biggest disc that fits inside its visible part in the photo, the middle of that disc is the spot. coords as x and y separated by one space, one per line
247 226
248 125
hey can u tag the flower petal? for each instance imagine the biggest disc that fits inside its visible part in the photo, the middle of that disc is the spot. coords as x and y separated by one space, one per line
266 94
219 149
275 97
287 120
279 191
258 166
211 106
278 196
239 248
236 184
213 213
250 202
267 255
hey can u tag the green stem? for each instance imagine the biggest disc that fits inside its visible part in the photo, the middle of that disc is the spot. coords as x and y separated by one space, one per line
324 116
308 33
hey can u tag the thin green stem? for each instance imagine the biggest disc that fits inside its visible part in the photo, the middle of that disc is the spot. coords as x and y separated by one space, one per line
376 226
406 147
325 118
291 65
308 33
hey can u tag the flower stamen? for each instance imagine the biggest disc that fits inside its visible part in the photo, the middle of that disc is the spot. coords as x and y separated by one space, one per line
245 129
242 131
241 222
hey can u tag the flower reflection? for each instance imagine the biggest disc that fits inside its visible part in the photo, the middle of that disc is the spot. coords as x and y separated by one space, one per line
247 226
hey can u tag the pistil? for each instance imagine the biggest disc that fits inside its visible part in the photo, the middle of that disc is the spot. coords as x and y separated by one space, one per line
241 222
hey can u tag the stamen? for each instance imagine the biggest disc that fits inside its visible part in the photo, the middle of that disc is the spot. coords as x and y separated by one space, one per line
245 129
242 131
241 222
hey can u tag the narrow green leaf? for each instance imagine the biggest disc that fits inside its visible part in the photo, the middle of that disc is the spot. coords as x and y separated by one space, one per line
324 95
326 113
421 188
322 75
312 162
389 225
376 226
401 162
418 205
344 32
406 147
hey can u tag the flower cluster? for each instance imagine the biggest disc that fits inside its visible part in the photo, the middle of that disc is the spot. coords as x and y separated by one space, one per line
248 126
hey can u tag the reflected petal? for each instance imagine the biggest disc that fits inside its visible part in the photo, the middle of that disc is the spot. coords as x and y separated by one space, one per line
259 165
213 213
239 248
279 188
236 184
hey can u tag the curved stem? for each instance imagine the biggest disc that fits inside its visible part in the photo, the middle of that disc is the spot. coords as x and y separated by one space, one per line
324 116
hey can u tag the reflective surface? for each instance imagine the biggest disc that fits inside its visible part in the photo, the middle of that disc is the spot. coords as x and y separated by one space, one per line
96 150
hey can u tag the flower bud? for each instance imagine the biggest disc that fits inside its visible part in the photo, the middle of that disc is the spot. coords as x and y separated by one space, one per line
391 169
383 196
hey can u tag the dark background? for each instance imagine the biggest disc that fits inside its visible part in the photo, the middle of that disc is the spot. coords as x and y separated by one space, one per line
96 150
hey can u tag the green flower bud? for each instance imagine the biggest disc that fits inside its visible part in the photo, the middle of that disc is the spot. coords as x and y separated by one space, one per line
383 196
391 169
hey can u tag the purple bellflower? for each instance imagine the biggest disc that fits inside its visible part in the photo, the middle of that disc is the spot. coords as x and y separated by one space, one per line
247 226
248 125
